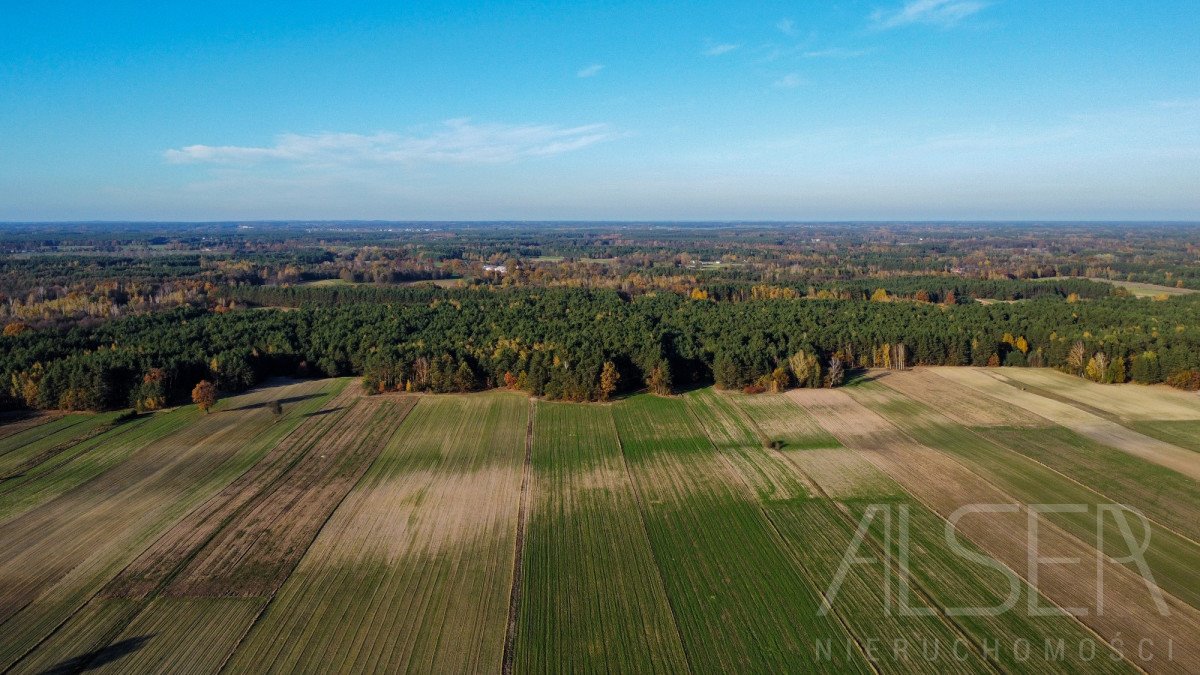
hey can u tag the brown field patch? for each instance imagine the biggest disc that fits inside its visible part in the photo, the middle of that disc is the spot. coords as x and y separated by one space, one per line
779 419
164 557
842 473
740 442
1093 426
96 520
966 406
1130 402
944 485
67 548
253 554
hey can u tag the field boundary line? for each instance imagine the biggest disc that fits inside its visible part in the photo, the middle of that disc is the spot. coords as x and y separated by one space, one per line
329 516
509 655
662 582
869 456
846 517
35 426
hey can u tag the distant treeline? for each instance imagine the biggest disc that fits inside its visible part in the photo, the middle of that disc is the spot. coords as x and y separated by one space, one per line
926 288
559 343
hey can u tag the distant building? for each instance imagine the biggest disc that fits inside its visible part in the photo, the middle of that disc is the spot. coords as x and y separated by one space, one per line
501 269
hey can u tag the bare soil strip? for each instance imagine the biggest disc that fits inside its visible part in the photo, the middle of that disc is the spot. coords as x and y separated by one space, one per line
1095 427
15 423
253 555
49 541
158 563
1129 609
514 596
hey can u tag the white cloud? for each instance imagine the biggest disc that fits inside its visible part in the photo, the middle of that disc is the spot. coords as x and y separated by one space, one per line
786 26
938 12
789 81
590 71
717 50
455 142
835 53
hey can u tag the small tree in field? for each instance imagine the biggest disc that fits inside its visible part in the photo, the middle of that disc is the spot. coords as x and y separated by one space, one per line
276 409
204 395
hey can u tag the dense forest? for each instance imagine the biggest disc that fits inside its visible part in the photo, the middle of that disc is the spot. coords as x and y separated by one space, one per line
97 319
557 343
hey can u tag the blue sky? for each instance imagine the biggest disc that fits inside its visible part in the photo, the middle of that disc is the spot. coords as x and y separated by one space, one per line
888 109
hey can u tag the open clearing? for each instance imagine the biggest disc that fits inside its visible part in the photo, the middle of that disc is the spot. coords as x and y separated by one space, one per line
695 533
1143 290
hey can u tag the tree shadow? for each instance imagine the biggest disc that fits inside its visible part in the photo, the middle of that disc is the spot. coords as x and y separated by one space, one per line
863 375
282 401
98 657
325 411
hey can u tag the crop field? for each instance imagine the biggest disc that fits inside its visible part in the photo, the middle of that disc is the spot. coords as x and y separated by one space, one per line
706 531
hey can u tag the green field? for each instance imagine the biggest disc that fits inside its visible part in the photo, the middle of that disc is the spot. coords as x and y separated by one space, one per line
702 532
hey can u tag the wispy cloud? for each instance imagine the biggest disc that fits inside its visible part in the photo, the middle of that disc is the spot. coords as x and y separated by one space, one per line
835 53
591 71
938 12
786 26
454 142
723 48
789 81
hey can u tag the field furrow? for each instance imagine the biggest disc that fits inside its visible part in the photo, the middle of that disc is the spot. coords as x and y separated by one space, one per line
21 452
158 563
19 422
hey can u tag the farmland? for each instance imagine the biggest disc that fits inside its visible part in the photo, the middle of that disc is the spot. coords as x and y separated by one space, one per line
704 531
